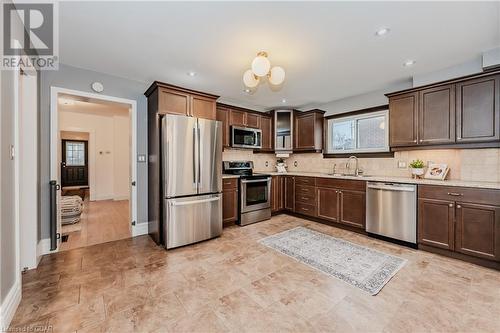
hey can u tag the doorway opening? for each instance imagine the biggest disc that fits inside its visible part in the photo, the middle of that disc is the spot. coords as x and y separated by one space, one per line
94 165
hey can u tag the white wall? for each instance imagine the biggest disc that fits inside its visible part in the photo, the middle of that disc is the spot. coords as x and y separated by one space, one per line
122 147
109 151
28 175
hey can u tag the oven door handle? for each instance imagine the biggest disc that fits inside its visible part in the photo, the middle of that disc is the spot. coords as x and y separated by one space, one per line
256 181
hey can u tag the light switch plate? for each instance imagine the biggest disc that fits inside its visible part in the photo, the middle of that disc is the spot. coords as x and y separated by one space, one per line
402 164
141 158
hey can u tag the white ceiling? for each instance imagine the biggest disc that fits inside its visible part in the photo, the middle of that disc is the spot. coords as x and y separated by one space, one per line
71 103
328 49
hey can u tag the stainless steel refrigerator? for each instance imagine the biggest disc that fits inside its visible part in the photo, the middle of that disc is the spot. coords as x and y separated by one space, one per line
191 150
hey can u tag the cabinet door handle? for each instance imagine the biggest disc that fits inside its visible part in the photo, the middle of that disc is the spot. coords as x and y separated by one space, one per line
306 209
455 194
450 205
304 198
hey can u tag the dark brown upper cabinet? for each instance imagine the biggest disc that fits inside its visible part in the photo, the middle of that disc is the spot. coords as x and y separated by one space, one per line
403 119
165 98
462 113
223 116
266 126
436 115
308 130
243 118
478 109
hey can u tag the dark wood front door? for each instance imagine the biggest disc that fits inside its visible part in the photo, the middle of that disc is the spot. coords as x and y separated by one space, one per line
74 165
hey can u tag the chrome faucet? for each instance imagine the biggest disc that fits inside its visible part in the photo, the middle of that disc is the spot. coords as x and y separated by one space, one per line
348 165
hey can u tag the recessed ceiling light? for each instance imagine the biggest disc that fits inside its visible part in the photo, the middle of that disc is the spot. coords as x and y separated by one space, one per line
247 90
409 63
191 73
283 100
382 31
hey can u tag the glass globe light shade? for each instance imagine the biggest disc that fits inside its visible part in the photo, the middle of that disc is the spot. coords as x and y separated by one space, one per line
277 75
261 65
249 79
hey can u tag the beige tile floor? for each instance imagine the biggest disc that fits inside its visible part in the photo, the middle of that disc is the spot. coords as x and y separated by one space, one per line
234 284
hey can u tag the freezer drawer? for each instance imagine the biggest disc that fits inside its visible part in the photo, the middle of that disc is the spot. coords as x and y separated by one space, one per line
391 210
192 219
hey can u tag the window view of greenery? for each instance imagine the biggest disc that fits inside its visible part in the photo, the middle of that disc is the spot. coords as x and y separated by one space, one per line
356 134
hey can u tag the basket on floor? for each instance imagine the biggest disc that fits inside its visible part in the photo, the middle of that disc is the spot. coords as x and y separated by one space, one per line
71 209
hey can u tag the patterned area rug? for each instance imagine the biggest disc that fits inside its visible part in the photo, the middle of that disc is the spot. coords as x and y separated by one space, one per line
367 269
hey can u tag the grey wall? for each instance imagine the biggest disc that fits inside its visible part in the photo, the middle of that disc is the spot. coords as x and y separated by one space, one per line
362 101
8 242
80 79
7 225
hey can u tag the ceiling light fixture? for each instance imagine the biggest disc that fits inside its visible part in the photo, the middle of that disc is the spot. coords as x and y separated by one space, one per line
283 100
409 63
247 90
261 67
191 73
382 31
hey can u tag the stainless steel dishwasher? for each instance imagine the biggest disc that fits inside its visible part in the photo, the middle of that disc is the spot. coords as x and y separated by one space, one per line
391 210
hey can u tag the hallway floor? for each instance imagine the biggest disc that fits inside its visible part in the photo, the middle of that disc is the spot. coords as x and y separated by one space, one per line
235 284
101 221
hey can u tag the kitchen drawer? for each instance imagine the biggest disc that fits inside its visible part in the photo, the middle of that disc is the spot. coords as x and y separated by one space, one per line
305 190
310 181
459 194
344 184
305 209
309 199
229 183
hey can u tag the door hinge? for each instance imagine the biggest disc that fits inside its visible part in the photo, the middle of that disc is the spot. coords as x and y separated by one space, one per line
133 183
133 222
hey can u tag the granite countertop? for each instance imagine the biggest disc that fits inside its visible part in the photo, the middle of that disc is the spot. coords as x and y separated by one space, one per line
460 183
225 176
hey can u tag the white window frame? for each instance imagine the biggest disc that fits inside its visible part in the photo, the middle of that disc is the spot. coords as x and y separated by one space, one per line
356 118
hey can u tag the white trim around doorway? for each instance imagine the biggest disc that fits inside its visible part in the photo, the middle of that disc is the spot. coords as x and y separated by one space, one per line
136 229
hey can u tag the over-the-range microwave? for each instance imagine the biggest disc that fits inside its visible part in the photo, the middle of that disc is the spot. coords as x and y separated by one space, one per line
246 137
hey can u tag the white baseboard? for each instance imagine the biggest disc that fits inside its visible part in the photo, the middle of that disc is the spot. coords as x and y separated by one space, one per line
10 304
121 197
140 229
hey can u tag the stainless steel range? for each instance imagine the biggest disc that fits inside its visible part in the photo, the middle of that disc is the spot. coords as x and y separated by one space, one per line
254 190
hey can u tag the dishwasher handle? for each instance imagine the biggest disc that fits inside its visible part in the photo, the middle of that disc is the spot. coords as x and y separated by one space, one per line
391 187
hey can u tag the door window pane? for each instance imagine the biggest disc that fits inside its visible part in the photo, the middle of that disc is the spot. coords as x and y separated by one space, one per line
75 153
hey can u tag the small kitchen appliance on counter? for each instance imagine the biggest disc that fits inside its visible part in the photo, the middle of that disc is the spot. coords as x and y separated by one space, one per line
254 192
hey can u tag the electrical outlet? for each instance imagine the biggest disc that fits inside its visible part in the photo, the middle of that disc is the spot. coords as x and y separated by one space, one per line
141 158
402 164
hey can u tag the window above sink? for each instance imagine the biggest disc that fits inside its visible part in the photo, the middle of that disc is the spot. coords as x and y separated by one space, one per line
358 133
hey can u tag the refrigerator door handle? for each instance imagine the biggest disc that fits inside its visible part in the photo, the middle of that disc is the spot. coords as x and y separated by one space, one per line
199 156
192 202
195 159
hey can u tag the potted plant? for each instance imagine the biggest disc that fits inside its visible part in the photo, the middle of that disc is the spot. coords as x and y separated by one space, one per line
417 168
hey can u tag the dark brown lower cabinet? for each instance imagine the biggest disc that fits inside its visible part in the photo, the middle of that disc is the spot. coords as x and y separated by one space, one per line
289 193
328 207
229 201
478 230
464 221
352 208
277 202
436 225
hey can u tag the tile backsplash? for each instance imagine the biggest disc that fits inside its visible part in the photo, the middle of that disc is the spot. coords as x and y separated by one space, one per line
465 164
